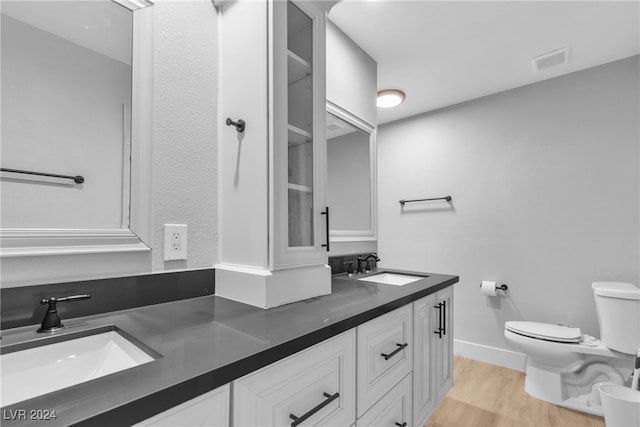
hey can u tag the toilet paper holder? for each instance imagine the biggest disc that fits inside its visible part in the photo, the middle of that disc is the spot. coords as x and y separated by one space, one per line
502 287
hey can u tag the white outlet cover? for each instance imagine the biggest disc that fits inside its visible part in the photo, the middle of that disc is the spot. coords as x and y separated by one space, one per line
175 242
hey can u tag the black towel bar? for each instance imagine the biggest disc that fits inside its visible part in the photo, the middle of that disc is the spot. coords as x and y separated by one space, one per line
447 198
77 179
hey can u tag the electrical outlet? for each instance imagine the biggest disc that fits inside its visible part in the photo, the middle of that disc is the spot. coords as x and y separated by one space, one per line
175 242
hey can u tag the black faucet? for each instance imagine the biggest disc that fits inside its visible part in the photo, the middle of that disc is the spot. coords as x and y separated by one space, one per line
350 268
366 259
51 321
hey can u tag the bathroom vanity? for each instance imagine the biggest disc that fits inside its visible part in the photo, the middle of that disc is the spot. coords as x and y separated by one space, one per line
294 364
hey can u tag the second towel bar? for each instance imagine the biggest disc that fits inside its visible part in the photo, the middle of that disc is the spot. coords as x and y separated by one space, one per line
447 198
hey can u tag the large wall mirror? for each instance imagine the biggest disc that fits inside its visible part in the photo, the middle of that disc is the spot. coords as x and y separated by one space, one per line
76 102
351 178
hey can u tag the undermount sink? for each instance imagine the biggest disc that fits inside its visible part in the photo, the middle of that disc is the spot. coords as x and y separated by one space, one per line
394 279
53 363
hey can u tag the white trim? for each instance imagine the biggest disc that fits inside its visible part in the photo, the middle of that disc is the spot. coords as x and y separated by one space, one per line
242 269
495 356
142 126
351 236
350 118
22 242
219 127
363 125
134 5
75 250
267 289
126 166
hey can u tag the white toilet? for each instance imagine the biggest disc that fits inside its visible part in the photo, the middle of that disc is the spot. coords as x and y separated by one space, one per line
566 367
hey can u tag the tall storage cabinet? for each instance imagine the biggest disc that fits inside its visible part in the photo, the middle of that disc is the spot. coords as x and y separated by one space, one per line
273 222
424 393
299 134
443 344
433 352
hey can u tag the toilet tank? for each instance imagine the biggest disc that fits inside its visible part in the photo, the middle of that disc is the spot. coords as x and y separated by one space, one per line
618 308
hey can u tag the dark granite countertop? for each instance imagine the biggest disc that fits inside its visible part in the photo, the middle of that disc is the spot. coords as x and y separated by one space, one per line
207 342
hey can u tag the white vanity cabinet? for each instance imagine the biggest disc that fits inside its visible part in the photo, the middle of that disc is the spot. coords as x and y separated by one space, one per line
404 368
421 335
385 355
433 352
313 387
210 409
273 220
394 409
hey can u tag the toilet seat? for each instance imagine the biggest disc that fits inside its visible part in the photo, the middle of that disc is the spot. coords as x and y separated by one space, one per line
545 331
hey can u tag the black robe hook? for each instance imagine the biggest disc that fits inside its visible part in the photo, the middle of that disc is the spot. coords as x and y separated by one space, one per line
240 125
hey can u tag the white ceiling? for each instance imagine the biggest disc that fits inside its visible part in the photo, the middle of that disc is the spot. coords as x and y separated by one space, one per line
445 52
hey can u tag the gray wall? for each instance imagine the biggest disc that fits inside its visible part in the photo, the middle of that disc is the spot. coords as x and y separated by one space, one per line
352 76
349 181
185 128
545 187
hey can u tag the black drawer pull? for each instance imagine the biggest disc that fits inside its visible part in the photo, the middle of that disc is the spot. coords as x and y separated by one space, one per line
440 329
404 424
394 352
298 420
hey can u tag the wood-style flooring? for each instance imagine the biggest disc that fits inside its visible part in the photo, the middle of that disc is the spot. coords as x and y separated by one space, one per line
489 395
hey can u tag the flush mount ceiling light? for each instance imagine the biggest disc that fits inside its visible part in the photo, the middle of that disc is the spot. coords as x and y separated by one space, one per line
389 98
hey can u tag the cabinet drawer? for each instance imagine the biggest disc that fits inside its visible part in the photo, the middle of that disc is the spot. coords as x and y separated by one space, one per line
316 386
385 355
394 409
210 409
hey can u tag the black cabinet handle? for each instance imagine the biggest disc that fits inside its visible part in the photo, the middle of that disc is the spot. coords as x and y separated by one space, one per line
404 424
444 317
326 212
394 352
439 330
298 420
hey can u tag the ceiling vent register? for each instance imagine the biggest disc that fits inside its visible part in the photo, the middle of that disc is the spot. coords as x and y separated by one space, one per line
550 59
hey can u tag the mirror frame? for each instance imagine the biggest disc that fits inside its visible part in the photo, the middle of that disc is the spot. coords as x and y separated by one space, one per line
372 233
137 235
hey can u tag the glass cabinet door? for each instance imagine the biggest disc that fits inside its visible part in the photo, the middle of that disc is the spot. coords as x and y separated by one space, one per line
300 127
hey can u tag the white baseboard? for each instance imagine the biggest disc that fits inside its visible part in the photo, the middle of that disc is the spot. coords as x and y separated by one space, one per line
495 356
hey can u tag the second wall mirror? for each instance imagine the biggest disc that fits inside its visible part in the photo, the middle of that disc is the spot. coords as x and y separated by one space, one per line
351 177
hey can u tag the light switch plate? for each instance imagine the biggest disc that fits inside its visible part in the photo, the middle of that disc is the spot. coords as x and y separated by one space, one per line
175 242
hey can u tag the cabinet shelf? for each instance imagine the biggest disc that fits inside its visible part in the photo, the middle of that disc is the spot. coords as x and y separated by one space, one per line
298 136
298 68
297 188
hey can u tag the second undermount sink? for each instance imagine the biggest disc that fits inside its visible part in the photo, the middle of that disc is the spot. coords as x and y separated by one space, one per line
43 366
392 279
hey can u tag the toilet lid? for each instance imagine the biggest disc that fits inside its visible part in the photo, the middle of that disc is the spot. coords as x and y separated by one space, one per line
545 331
